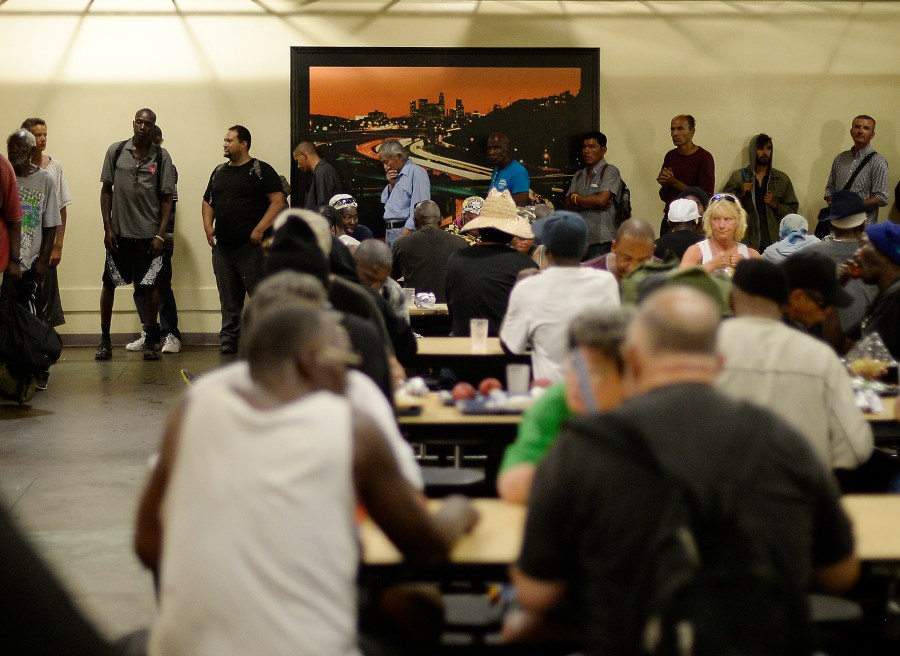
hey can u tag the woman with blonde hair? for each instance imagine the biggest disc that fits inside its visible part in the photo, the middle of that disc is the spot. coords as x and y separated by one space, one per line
724 223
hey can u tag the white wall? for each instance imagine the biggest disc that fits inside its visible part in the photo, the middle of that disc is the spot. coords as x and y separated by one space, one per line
797 70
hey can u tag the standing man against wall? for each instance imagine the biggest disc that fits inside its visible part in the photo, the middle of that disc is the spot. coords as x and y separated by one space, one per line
868 170
136 205
591 195
325 181
48 291
508 174
765 192
407 185
686 165
240 203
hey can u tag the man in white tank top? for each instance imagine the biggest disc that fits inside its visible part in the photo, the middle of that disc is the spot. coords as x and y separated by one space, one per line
248 518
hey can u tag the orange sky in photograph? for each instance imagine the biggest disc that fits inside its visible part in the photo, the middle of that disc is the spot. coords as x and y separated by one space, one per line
353 91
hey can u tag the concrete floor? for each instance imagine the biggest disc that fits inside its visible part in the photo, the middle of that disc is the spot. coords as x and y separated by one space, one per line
73 463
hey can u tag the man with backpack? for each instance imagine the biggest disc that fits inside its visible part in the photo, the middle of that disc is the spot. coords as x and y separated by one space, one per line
241 201
136 206
683 521
593 193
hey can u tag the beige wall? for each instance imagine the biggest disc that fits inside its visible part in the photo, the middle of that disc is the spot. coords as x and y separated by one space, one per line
797 70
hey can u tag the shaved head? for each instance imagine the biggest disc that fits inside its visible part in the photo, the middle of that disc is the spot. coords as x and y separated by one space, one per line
676 320
427 213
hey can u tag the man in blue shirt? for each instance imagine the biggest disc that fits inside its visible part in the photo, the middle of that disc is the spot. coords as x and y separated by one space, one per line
508 173
407 185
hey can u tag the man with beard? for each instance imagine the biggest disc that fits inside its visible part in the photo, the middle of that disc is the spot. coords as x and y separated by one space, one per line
765 192
240 204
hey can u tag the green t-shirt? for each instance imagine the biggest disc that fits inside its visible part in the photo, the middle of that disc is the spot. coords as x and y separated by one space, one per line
540 425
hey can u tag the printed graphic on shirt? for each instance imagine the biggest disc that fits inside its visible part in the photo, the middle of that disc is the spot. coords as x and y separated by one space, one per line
32 202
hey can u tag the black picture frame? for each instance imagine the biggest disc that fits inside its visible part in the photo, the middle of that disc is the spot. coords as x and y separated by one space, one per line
545 131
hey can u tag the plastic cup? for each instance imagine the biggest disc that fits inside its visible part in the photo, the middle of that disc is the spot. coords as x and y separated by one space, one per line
518 376
478 331
410 294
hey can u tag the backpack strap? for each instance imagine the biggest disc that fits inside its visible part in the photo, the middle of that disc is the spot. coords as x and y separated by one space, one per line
858 169
116 156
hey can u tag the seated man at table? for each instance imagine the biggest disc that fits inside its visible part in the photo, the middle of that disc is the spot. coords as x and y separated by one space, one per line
421 257
252 529
373 264
795 375
595 337
481 277
541 306
634 243
598 504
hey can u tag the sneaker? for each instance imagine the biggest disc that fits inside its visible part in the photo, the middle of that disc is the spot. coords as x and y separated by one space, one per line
228 348
41 380
171 344
138 344
104 350
151 350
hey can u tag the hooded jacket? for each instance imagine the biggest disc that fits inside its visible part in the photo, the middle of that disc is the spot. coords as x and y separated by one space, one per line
782 190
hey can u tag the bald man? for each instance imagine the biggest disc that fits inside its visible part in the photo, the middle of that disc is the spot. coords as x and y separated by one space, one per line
634 244
596 506
325 181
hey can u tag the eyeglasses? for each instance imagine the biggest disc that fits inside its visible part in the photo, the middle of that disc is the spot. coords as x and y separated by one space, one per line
727 197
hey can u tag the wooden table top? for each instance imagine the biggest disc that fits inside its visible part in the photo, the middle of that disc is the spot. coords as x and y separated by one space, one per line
456 346
495 541
435 412
436 309
888 414
497 538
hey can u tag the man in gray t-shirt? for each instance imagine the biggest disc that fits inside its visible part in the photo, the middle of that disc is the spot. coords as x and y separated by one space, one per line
136 205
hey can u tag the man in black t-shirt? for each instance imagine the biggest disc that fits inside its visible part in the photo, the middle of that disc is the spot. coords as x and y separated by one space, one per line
240 204
591 517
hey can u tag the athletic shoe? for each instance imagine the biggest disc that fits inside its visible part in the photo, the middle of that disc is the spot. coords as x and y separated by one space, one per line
41 380
227 348
138 344
104 350
171 344
189 377
151 350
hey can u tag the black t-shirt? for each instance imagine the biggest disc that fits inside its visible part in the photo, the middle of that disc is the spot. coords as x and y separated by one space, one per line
592 512
479 280
883 317
676 242
240 197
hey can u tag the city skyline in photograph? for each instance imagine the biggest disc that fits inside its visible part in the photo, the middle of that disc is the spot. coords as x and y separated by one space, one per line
348 91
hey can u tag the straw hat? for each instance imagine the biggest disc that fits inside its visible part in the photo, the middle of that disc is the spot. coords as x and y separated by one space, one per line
499 213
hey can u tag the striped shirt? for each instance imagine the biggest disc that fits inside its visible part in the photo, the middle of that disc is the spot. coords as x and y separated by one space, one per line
873 179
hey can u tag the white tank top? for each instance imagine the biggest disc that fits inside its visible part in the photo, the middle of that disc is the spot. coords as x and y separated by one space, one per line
259 544
706 251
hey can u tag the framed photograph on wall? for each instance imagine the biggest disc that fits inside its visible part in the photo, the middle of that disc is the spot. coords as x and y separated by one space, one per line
442 103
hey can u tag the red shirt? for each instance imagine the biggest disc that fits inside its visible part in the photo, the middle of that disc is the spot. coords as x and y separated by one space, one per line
10 208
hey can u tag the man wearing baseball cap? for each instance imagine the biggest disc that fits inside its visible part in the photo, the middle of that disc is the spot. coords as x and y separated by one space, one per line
542 306
813 288
846 222
877 261
682 218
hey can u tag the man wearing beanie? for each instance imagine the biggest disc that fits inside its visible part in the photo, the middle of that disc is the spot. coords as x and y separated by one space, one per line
878 263
788 372
542 306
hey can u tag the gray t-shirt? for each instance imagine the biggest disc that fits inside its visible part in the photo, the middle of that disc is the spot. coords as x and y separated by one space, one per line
40 209
136 194
862 293
601 224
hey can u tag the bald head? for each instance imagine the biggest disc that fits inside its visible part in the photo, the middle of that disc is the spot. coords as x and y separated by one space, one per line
636 229
283 287
427 214
676 320
373 262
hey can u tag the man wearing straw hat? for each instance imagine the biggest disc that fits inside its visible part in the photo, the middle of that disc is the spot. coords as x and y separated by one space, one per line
480 278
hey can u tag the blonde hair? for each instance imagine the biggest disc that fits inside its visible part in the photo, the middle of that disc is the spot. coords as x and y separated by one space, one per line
730 206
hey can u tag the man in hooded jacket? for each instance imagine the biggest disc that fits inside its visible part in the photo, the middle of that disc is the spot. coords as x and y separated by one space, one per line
766 193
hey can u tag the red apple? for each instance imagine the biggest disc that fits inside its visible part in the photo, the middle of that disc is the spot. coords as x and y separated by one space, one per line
489 384
540 382
463 391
